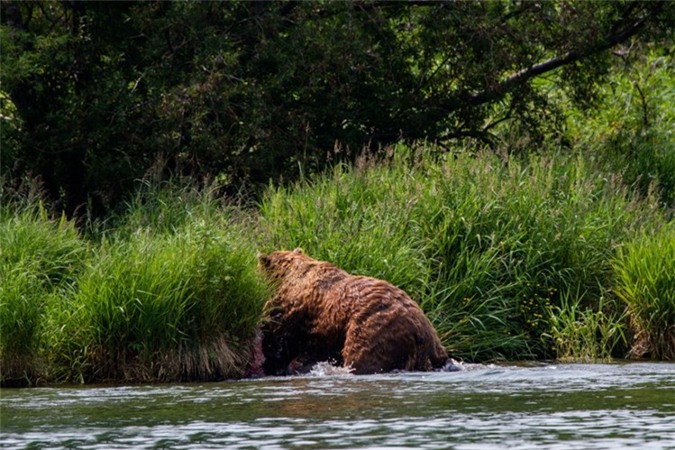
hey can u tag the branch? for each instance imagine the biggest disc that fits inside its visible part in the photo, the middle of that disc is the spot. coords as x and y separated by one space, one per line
617 36
517 12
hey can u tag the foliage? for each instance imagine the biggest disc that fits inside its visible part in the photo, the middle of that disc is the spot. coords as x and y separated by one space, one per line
487 247
631 128
583 334
164 292
252 91
38 257
645 281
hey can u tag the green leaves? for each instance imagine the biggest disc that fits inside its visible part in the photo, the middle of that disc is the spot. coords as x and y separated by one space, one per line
250 92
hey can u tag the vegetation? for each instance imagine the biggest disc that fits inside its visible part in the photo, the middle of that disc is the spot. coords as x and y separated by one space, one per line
151 299
586 333
645 272
493 250
631 128
38 257
510 258
94 92
516 175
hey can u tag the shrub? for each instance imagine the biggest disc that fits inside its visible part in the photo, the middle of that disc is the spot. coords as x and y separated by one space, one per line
630 131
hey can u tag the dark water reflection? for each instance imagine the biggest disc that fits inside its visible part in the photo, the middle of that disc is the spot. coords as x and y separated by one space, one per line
544 406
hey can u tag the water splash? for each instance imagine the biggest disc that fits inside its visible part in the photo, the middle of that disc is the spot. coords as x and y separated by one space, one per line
328 368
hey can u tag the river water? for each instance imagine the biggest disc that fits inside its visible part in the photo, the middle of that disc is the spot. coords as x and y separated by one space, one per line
594 406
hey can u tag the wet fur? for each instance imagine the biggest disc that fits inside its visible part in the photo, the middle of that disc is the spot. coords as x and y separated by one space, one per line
320 312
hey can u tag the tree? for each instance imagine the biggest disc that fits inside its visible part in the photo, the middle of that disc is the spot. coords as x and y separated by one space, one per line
252 91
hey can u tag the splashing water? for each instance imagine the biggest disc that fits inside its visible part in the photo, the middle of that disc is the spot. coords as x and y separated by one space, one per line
328 368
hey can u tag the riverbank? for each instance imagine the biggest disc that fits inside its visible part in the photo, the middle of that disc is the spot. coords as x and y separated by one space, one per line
511 258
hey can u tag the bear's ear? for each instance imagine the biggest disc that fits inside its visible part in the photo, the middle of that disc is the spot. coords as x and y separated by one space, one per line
263 259
298 251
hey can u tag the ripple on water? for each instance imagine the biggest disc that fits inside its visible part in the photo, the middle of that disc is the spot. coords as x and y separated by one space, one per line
550 406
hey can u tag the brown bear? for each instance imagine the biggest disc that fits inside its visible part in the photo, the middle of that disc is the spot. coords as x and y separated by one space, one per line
321 313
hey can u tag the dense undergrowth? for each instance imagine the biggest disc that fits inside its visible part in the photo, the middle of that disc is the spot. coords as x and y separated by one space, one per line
170 292
511 258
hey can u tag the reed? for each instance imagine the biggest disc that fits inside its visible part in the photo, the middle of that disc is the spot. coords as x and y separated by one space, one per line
176 299
38 257
485 244
645 281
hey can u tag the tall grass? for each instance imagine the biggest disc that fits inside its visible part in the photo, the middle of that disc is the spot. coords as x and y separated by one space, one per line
38 257
172 294
166 291
165 307
582 333
645 281
485 245
510 258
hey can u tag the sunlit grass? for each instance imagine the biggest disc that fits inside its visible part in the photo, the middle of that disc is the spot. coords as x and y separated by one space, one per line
38 256
168 292
510 258
645 281
160 306
485 245
584 334
171 300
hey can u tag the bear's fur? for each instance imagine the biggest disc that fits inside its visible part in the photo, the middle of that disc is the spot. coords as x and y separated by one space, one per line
320 313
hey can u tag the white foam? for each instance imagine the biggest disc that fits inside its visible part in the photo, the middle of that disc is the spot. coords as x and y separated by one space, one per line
328 368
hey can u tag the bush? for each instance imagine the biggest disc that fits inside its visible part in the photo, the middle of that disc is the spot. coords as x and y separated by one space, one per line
645 281
630 130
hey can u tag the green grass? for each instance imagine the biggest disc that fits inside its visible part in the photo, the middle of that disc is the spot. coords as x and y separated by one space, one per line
38 257
166 307
172 293
486 246
584 334
645 281
168 292
511 258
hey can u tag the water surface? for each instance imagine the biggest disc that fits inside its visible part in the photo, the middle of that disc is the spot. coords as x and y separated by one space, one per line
598 406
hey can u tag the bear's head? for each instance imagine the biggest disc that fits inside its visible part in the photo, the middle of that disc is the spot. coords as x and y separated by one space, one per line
280 264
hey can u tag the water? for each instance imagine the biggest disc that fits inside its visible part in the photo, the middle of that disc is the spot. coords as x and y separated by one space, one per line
597 406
